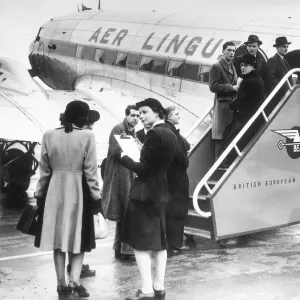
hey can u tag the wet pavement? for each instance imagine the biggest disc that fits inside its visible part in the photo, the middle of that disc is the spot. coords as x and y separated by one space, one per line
259 266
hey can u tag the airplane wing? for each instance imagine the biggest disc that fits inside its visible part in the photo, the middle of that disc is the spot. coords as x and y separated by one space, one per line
292 134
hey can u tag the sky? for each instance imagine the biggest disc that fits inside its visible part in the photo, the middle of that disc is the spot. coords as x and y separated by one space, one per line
21 19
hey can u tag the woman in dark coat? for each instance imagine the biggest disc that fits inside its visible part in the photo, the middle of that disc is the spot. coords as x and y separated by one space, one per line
250 97
178 181
144 222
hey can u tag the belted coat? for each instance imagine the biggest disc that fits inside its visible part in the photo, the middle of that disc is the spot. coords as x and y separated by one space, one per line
144 226
222 78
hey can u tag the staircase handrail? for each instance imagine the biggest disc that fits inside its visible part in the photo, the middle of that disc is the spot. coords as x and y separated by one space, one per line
199 121
233 144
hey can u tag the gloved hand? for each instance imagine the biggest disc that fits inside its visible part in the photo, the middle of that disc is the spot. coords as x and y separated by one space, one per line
40 202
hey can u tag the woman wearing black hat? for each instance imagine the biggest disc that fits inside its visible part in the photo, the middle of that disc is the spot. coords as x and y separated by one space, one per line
250 97
67 153
144 222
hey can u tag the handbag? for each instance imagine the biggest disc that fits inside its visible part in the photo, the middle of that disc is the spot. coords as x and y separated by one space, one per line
28 220
100 227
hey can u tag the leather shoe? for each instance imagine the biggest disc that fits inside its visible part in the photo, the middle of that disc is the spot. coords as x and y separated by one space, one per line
141 296
160 294
117 253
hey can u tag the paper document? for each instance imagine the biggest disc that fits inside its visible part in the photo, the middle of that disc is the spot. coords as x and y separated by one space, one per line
129 146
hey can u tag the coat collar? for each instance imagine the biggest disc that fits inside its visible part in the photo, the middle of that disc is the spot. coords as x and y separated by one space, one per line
281 61
225 64
126 128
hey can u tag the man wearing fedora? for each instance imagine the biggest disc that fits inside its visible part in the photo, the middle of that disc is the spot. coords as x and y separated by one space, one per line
252 47
277 67
250 97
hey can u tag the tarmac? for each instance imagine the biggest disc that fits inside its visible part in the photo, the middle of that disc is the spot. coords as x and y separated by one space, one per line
260 266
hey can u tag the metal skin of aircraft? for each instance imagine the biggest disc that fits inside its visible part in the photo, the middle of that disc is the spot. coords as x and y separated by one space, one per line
114 58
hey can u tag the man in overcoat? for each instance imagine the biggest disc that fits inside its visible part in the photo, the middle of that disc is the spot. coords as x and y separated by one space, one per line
118 180
250 97
277 67
222 82
178 183
252 47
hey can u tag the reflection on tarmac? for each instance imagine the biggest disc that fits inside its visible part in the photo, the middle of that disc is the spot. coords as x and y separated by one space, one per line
259 266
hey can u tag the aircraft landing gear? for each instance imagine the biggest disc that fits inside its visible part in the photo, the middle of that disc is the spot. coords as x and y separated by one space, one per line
16 168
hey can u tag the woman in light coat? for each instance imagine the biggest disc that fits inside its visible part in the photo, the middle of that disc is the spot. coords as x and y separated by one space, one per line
67 153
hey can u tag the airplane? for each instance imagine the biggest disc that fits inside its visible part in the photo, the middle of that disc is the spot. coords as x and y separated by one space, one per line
113 58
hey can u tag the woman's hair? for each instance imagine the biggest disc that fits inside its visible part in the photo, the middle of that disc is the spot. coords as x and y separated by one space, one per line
160 112
170 109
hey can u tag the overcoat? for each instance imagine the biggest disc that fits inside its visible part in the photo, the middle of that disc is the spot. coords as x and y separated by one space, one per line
65 158
178 183
117 179
221 81
250 97
144 221
277 68
261 67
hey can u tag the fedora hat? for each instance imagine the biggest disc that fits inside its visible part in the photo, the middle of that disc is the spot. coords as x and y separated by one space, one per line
281 41
253 39
249 60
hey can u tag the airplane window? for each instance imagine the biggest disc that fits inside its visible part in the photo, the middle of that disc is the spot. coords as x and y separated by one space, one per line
79 51
204 73
65 49
146 63
175 68
159 66
121 59
133 60
89 53
99 55
191 71
110 56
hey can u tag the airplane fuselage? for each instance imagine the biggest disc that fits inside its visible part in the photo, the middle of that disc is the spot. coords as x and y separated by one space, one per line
141 54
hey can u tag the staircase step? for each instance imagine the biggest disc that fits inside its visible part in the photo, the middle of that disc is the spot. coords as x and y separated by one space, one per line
212 182
194 220
197 232
203 202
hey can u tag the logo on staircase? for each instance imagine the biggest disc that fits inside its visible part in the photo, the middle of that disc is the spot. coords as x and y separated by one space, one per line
292 142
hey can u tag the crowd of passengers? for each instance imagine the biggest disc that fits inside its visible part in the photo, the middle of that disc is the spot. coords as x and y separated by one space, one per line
148 199
241 81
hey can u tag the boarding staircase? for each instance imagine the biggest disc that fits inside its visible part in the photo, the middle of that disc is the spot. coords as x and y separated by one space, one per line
233 201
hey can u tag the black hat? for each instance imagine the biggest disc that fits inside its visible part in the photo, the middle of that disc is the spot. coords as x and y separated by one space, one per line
281 41
249 60
94 116
76 109
253 39
152 103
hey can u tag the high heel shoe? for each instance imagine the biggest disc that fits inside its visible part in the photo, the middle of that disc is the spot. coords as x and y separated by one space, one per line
79 290
63 291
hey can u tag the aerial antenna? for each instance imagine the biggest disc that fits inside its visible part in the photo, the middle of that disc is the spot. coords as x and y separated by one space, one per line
99 4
